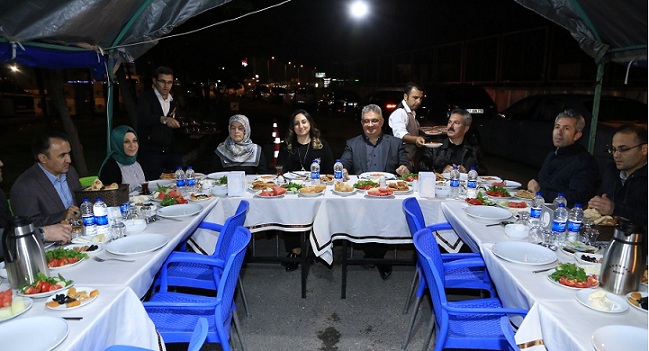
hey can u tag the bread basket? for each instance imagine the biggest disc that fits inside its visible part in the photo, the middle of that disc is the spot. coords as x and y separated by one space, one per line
113 197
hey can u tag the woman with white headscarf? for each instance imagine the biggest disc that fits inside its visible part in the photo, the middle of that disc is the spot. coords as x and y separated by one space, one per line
238 152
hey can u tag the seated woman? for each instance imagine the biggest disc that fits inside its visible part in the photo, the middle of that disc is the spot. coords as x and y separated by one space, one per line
301 146
120 166
238 152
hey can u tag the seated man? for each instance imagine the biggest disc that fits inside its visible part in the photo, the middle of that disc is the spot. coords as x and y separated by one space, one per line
569 169
374 151
457 150
624 183
56 232
44 193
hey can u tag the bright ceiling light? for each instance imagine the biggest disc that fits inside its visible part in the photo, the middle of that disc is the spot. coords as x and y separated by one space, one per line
358 9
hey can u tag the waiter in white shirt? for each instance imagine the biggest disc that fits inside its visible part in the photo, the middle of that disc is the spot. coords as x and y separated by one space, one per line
403 122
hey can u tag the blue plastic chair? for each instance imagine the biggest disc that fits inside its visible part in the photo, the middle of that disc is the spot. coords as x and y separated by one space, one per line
174 313
469 324
180 268
470 275
508 331
195 344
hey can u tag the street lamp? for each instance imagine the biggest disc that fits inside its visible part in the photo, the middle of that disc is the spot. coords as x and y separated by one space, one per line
358 9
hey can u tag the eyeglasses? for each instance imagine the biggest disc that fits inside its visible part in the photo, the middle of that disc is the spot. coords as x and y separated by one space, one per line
622 149
368 121
165 82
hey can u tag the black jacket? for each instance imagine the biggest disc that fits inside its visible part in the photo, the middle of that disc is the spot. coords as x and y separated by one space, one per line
151 133
631 198
468 155
570 170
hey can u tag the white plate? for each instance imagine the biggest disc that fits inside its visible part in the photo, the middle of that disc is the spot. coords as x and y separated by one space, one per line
379 197
490 179
620 338
580 260
376 175
344 193
617 303
209 197
67 265
296 175
435 130
45 294
488 213
432 145
556 282
269 197
153 184
84 239
217 175
523 252
182 210
510 184
28 304
35 333
63 307
310 194
463 176
643 293
505 204
137 244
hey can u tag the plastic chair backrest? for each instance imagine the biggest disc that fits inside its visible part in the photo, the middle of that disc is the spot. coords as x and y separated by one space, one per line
199 335
227 285
414 216
228 230
430 260
87 181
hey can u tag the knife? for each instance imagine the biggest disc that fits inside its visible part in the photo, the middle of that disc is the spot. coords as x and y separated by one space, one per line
544 270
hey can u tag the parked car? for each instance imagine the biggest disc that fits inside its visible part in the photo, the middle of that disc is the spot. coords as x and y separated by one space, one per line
304 96
340 101
523 131
440 100
388 100
274 95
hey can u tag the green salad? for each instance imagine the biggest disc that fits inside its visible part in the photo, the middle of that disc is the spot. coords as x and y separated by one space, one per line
570 271
293 187
223 180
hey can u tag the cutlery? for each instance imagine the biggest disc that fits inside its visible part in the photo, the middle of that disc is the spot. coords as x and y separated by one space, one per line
171 219
72 318
100 259
503 223
544 270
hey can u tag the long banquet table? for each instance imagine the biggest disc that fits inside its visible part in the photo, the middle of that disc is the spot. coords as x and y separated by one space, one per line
117 315
555 317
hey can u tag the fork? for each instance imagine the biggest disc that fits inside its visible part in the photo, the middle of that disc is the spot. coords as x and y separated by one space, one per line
99 259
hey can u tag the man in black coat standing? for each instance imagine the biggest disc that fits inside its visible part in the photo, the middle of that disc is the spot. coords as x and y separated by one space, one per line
156 122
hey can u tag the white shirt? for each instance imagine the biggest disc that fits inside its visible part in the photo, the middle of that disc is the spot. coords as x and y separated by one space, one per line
398 120
166 104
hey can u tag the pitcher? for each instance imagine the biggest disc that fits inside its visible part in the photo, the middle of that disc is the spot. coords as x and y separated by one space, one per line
23 252
623 263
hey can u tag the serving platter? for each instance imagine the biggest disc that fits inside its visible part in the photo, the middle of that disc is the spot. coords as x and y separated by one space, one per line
556 282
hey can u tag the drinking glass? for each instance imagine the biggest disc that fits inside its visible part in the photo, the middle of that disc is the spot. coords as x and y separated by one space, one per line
117 230
591 236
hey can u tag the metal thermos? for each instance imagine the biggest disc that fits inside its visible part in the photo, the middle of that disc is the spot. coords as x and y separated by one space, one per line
23 253
624 261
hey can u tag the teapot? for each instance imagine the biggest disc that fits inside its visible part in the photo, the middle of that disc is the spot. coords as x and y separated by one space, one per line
623 262
24 253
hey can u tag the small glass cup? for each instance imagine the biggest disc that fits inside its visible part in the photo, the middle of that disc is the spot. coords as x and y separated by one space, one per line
117 230
145 188
590 236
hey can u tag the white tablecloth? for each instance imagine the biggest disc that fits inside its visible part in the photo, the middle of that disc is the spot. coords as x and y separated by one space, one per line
563 323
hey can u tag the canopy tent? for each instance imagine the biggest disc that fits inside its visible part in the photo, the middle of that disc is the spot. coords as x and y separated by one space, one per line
608 31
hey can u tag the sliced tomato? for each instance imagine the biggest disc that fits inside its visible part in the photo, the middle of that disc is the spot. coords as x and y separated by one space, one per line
473 201
174 193
582 284
161 195
46 286
571 282
55 287
279 190
517 204
32 290
592 280
181 200
55 262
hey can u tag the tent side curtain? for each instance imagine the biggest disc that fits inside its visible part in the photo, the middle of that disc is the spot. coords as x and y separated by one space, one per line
33 56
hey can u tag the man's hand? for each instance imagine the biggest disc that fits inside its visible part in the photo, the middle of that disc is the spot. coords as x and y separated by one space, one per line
61 233
602 204
72 212
462 169
419 141
173 123
533 186
345 174
447 169
402 170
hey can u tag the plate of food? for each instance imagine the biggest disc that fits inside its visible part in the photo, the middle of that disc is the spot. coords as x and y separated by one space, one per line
514 205
507 184
296 175
498 192
432 145
293 186
62 257
524 194
637 300
327 178
409 177
14 305
572 276
571 247
72 298
399 186
380 193
434 130
598 219
89 249
600 300
261 184
90 239
376 175
343 189
588 258
312 191
140 198
199 196
45 286
268 193
479 200
366 184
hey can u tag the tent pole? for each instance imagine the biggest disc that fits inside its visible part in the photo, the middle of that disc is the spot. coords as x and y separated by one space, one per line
596 99
109 103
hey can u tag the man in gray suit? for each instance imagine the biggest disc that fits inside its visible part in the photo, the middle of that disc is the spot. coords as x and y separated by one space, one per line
44 193
374 151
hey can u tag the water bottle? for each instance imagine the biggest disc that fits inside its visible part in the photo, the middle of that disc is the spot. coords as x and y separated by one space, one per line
88 217
180 179
315 173
537 207
338 171
472 184
560 199
575 217
101 217
190 179
455 183
559 223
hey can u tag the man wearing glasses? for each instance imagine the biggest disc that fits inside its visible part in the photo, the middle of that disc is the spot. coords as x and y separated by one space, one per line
569 169
624 186
374 151
156 112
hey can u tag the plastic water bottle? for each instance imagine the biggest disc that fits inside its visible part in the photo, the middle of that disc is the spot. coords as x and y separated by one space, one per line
88 217
338 171
537 207
472 184
190 179
559 223
101 217
560 199
180 179
455 183
315 173
575 217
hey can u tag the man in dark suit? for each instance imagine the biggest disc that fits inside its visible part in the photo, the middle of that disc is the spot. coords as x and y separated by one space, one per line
156 122
44 193
374 151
